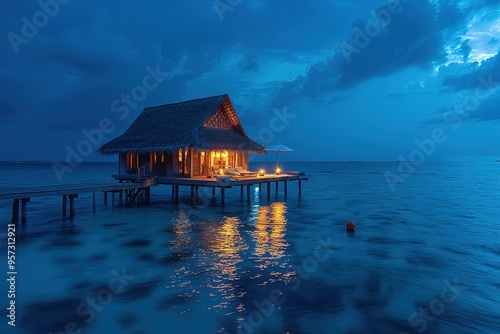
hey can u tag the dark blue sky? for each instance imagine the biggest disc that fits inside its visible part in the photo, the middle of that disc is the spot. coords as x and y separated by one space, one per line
336 80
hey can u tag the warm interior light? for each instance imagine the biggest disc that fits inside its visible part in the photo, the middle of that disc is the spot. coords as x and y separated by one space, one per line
221 171
261 172
278 171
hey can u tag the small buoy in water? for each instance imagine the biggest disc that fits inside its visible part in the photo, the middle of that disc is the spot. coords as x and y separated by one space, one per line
350 226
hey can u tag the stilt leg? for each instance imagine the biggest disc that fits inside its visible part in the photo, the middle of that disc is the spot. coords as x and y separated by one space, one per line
24 210
15 211
285 190
64 204
72 210
176 194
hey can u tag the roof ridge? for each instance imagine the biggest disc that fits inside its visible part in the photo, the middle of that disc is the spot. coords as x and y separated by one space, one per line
187 101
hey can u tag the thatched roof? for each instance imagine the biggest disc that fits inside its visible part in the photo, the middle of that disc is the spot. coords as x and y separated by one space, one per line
209 123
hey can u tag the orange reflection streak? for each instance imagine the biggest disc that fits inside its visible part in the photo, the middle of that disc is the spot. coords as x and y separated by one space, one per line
225 242
269 237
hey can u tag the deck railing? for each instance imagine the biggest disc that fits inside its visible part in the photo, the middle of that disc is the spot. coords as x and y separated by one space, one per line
141 172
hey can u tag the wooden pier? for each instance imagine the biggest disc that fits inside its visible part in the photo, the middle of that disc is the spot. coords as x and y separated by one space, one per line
135 190
22 196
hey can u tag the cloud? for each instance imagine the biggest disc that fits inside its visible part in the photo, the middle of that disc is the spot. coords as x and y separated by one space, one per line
248 64
484 75
465 50
416 36
478 87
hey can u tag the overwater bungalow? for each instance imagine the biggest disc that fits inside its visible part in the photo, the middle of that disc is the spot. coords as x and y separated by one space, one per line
192 139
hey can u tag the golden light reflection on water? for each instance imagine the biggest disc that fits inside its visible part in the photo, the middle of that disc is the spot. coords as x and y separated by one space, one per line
224 245
226 250
269 236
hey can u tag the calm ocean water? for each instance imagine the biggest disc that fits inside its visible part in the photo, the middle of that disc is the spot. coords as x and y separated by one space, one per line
425 258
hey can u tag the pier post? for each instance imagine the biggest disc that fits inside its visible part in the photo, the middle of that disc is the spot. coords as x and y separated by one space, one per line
268 191
105 197
222 195
300 187
93 202
213 191
285 190
72 211
149 195
113 200
64 204
248 193
121 194
277 187
176 199
260 187
24 210
241 190
15 211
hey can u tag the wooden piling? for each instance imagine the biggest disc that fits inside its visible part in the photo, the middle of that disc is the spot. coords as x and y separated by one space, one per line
15 211
285 190
72 210
277 187
248 193
222 196
64 205
113 203
105 197
268 191
176 199
300 187
24 210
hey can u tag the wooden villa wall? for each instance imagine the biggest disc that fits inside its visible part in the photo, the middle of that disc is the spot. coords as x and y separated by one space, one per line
169 165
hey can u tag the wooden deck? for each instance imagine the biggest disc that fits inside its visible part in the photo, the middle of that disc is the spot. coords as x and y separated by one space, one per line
213 183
